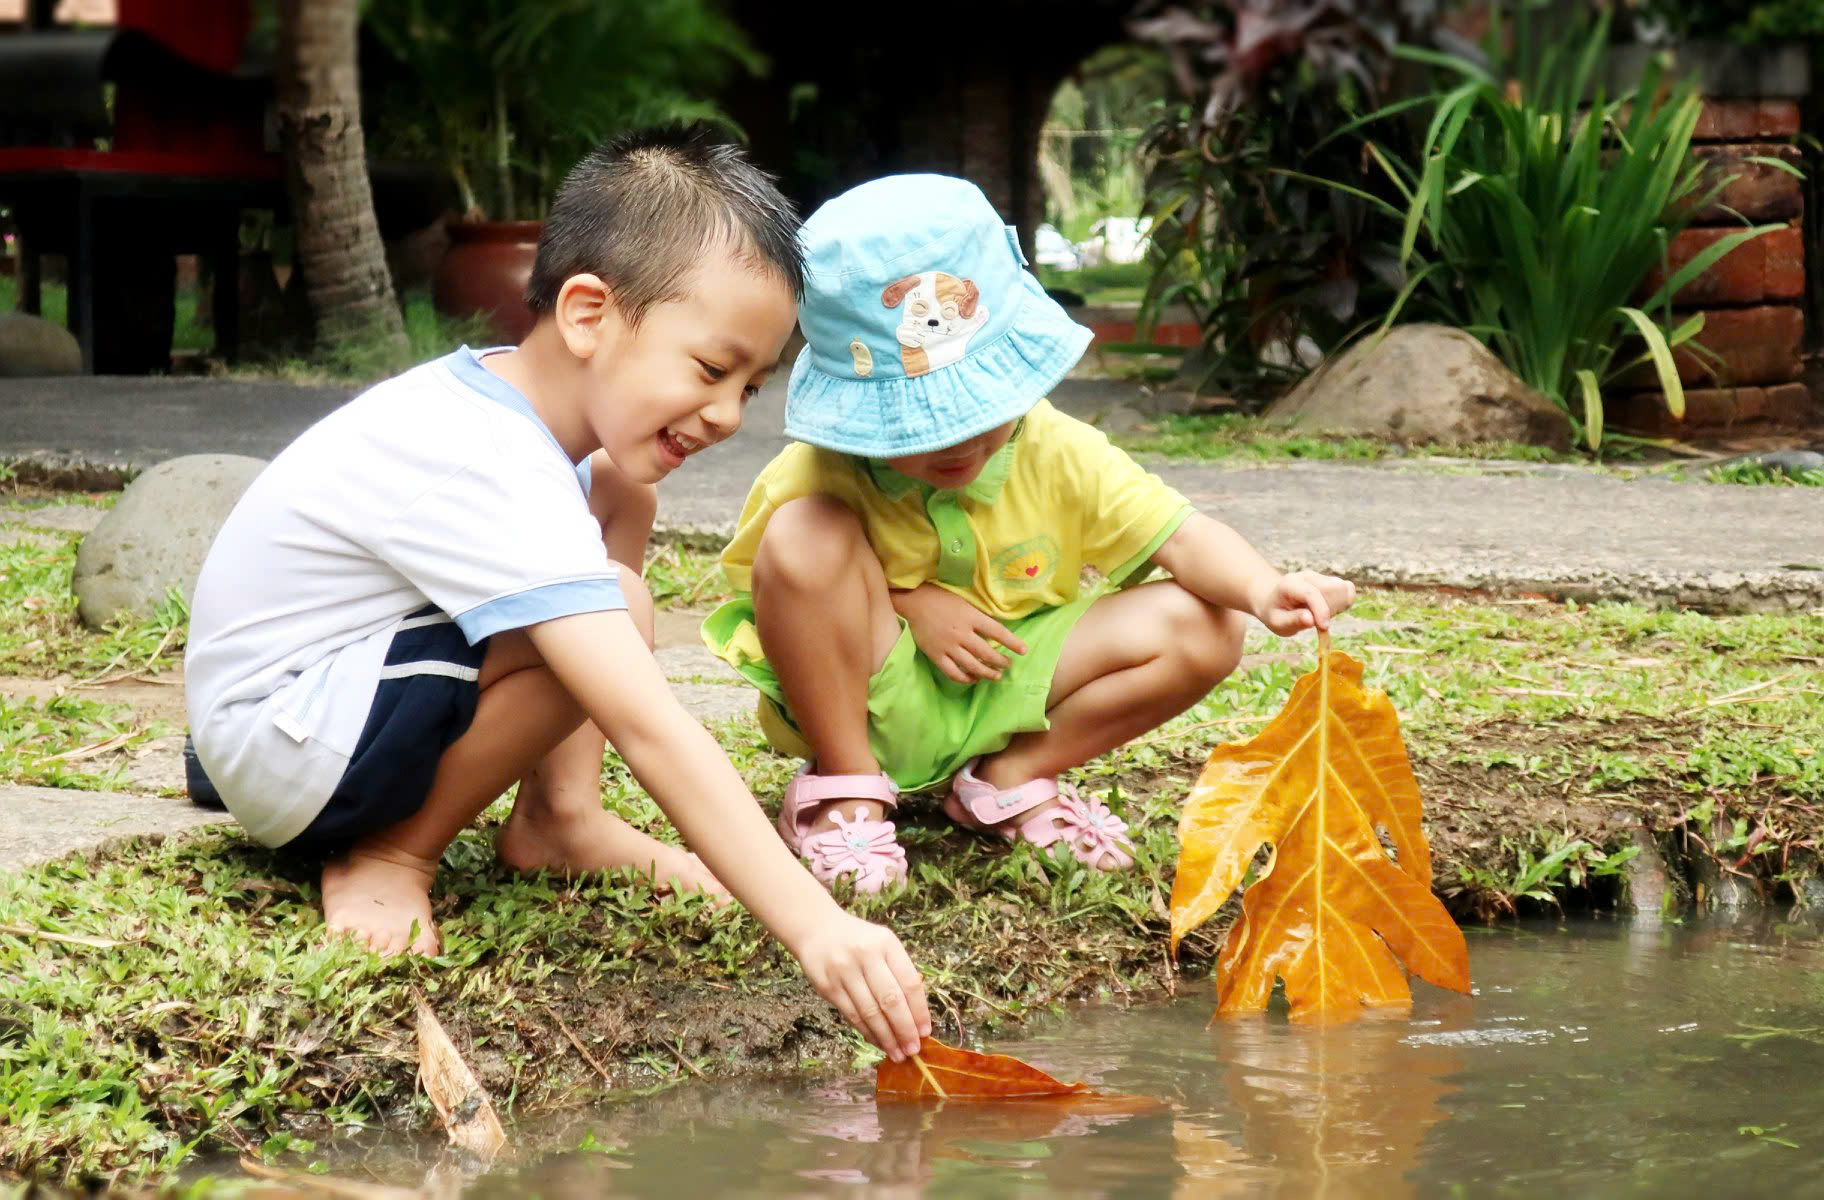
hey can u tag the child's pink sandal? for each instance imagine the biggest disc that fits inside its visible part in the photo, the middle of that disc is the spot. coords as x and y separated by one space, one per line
858 846
1097 837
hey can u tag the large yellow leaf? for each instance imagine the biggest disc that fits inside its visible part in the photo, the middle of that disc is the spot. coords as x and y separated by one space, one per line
1333 915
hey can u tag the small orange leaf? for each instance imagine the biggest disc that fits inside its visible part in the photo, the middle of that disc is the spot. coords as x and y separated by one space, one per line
940 1072
1333 914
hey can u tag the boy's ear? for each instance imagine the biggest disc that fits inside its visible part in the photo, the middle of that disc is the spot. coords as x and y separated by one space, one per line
585 314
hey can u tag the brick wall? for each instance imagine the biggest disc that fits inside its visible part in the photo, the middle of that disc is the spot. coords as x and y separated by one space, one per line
1752 300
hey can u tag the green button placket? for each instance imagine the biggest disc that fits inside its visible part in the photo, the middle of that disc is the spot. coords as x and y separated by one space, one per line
955 540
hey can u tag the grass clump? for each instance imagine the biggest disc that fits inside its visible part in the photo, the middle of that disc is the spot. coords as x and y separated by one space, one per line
1219 437
1755 474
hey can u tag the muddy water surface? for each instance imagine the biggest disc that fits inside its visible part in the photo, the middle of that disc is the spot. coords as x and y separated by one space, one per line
1596 1059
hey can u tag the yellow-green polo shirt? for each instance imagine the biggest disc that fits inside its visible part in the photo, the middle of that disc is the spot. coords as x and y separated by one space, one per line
1058 497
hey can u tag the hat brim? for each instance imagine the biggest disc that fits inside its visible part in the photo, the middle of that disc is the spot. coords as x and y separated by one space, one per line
996 382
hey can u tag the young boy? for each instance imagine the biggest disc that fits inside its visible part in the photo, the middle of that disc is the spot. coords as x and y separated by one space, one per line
415 605
911 607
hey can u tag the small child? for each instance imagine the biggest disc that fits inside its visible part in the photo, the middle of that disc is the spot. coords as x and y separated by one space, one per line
910 602
434 591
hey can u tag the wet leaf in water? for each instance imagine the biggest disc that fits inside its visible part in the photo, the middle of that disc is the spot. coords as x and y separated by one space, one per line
940 1072
1332 914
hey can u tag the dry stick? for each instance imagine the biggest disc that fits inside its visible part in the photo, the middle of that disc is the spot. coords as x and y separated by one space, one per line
91 750
581 1049
688 1065
105 678
68 939
1728 697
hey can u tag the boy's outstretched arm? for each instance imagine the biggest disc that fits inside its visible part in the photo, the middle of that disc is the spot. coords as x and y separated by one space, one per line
1218 566
857 966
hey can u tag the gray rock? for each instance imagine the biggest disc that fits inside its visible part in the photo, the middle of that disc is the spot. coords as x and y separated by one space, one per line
33 346
1423 383
157 535
47 823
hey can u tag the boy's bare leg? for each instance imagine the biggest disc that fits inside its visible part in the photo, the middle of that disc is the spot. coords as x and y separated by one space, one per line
380 888
1135 660
827 624
558 822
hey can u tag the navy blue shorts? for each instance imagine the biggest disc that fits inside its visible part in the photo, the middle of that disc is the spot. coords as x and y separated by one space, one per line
425 700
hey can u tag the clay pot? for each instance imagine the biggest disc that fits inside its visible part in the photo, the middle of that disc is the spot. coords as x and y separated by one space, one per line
486 271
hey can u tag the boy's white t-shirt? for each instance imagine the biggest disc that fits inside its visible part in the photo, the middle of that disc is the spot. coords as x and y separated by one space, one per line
441 486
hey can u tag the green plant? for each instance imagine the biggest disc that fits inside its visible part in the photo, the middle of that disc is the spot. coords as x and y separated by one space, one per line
1532 215
1754 473
1268 260
1758 21
513 93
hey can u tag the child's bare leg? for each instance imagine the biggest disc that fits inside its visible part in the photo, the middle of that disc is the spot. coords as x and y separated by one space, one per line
827 624
1135 660
380 888
558 822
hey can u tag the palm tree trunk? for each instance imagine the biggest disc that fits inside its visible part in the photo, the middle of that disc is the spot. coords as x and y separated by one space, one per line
336 239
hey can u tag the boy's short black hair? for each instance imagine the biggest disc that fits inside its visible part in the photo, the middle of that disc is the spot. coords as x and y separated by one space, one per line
640 210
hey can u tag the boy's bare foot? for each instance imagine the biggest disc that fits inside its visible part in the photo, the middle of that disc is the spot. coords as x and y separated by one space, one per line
376 895
536 838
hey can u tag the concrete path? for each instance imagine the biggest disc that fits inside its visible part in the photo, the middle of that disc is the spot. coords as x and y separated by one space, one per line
1561 530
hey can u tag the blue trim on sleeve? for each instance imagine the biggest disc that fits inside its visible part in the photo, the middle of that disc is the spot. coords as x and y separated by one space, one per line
539 604
465 365
585 475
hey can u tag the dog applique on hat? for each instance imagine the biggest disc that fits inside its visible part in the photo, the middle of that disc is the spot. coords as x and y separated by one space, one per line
922 327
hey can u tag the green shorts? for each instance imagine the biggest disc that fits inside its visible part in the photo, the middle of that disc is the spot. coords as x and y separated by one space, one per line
923 725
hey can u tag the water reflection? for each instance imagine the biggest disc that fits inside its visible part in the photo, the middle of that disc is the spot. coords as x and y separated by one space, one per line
1596 1060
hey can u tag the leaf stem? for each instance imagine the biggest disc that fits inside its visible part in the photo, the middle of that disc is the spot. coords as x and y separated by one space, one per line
930 1078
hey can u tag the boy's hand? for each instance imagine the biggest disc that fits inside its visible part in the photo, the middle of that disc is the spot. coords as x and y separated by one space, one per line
1303 600
863 970
954 634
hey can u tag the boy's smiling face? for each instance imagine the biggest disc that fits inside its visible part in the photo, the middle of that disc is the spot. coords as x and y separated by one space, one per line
679 380
954 466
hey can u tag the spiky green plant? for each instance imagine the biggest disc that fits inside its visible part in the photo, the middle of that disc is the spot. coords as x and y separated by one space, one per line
1537 208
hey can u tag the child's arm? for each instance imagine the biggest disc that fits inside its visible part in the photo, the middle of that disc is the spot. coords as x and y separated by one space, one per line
1217 565
861 968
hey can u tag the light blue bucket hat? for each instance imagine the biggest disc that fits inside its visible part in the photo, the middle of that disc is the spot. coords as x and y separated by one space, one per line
922 327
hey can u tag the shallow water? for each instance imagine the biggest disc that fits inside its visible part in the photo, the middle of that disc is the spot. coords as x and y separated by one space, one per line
1596 1059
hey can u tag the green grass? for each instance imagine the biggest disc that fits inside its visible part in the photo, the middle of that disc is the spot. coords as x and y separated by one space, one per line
1230 436
1110 283
189 331
1754 474
352 361
360 361
167 999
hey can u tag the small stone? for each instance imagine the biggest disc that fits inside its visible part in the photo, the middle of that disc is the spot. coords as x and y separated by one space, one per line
32 346
156 537
1423 384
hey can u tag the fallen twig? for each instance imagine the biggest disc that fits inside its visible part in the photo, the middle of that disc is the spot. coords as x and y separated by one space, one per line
91 750
68 939
581 1049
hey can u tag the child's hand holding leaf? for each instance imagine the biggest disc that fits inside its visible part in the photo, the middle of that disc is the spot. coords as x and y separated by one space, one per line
862 970
1303 600
954 634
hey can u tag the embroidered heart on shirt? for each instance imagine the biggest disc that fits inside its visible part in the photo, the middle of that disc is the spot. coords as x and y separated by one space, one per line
1031 571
